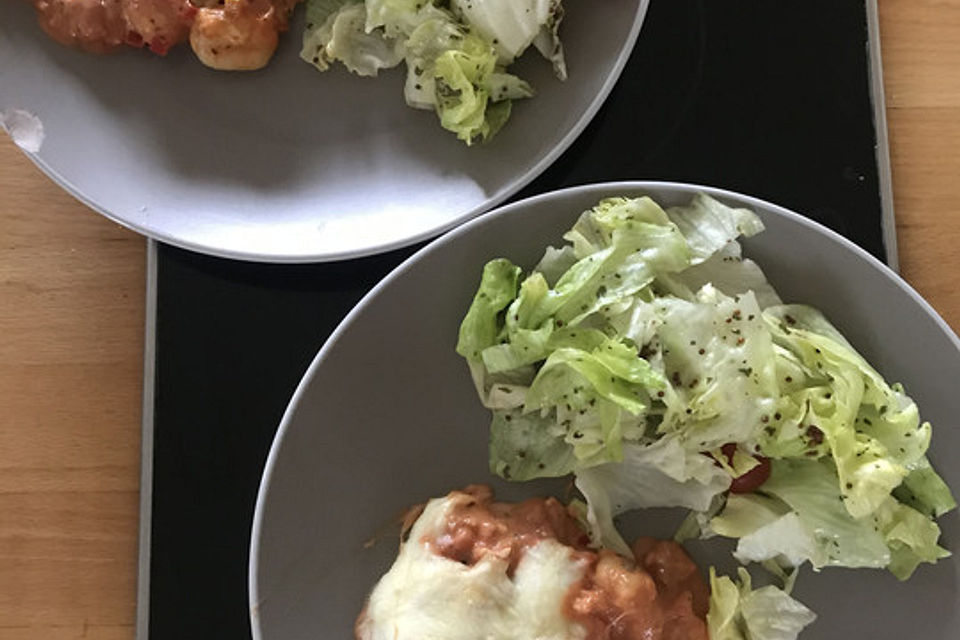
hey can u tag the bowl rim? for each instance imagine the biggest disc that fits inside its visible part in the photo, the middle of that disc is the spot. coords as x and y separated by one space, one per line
507 190
599 189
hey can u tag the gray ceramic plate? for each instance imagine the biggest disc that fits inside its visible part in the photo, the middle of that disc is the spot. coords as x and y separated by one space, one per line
387 416
286 164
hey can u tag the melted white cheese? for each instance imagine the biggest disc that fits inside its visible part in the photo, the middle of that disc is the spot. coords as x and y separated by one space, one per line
425 596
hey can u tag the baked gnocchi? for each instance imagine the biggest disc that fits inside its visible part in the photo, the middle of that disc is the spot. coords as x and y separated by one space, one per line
231 35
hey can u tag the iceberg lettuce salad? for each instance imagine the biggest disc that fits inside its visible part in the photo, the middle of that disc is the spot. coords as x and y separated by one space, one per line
653 361
456 51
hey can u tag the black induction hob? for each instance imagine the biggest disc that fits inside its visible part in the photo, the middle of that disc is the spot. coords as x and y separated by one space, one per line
775 99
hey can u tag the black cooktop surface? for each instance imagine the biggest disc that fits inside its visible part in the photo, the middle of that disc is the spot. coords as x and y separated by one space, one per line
772 99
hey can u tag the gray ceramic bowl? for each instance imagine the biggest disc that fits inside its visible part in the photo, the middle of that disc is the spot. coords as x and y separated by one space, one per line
286 164
387 416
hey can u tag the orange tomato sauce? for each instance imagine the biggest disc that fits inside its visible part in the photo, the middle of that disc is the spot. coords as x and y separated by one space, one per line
658 594
102 26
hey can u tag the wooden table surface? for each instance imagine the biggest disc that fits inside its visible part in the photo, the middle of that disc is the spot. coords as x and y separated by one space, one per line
71 338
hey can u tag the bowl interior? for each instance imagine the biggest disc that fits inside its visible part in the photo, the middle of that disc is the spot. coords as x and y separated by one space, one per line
387 417
288 164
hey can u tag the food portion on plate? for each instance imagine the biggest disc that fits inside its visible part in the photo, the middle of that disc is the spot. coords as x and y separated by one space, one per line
231 35
470 567
652 360
456 51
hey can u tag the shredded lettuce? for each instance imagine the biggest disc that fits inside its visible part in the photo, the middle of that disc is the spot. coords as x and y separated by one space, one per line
479 329
456 53
719 358
724 619
399 18
633 355
843 407
467 101
800 516
816 526
511 25
925 491
911 536
659 474
522 448
614 362
339 35
548 42
740 612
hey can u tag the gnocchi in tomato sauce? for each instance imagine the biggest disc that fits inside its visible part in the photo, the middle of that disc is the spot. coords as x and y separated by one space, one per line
231 35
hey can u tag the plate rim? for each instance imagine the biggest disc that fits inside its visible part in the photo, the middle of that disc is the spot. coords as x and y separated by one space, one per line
505 192
598 188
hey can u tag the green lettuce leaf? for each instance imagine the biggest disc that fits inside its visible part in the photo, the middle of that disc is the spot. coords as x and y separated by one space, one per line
708 225
480 326
810 489
767 529
505 390
426 42
548 42
399 18
511 24
668 370
462 94
454 64
472 96
633 354
612 372
335 32
786 542
523 447
925 491
800 517
555 263
658 474
841 404
739 612
911 536
770 613
724 619
455 71
726 270
319 11
719 357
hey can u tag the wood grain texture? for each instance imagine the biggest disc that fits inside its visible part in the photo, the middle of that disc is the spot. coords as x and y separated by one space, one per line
921 57
71 318
71 326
